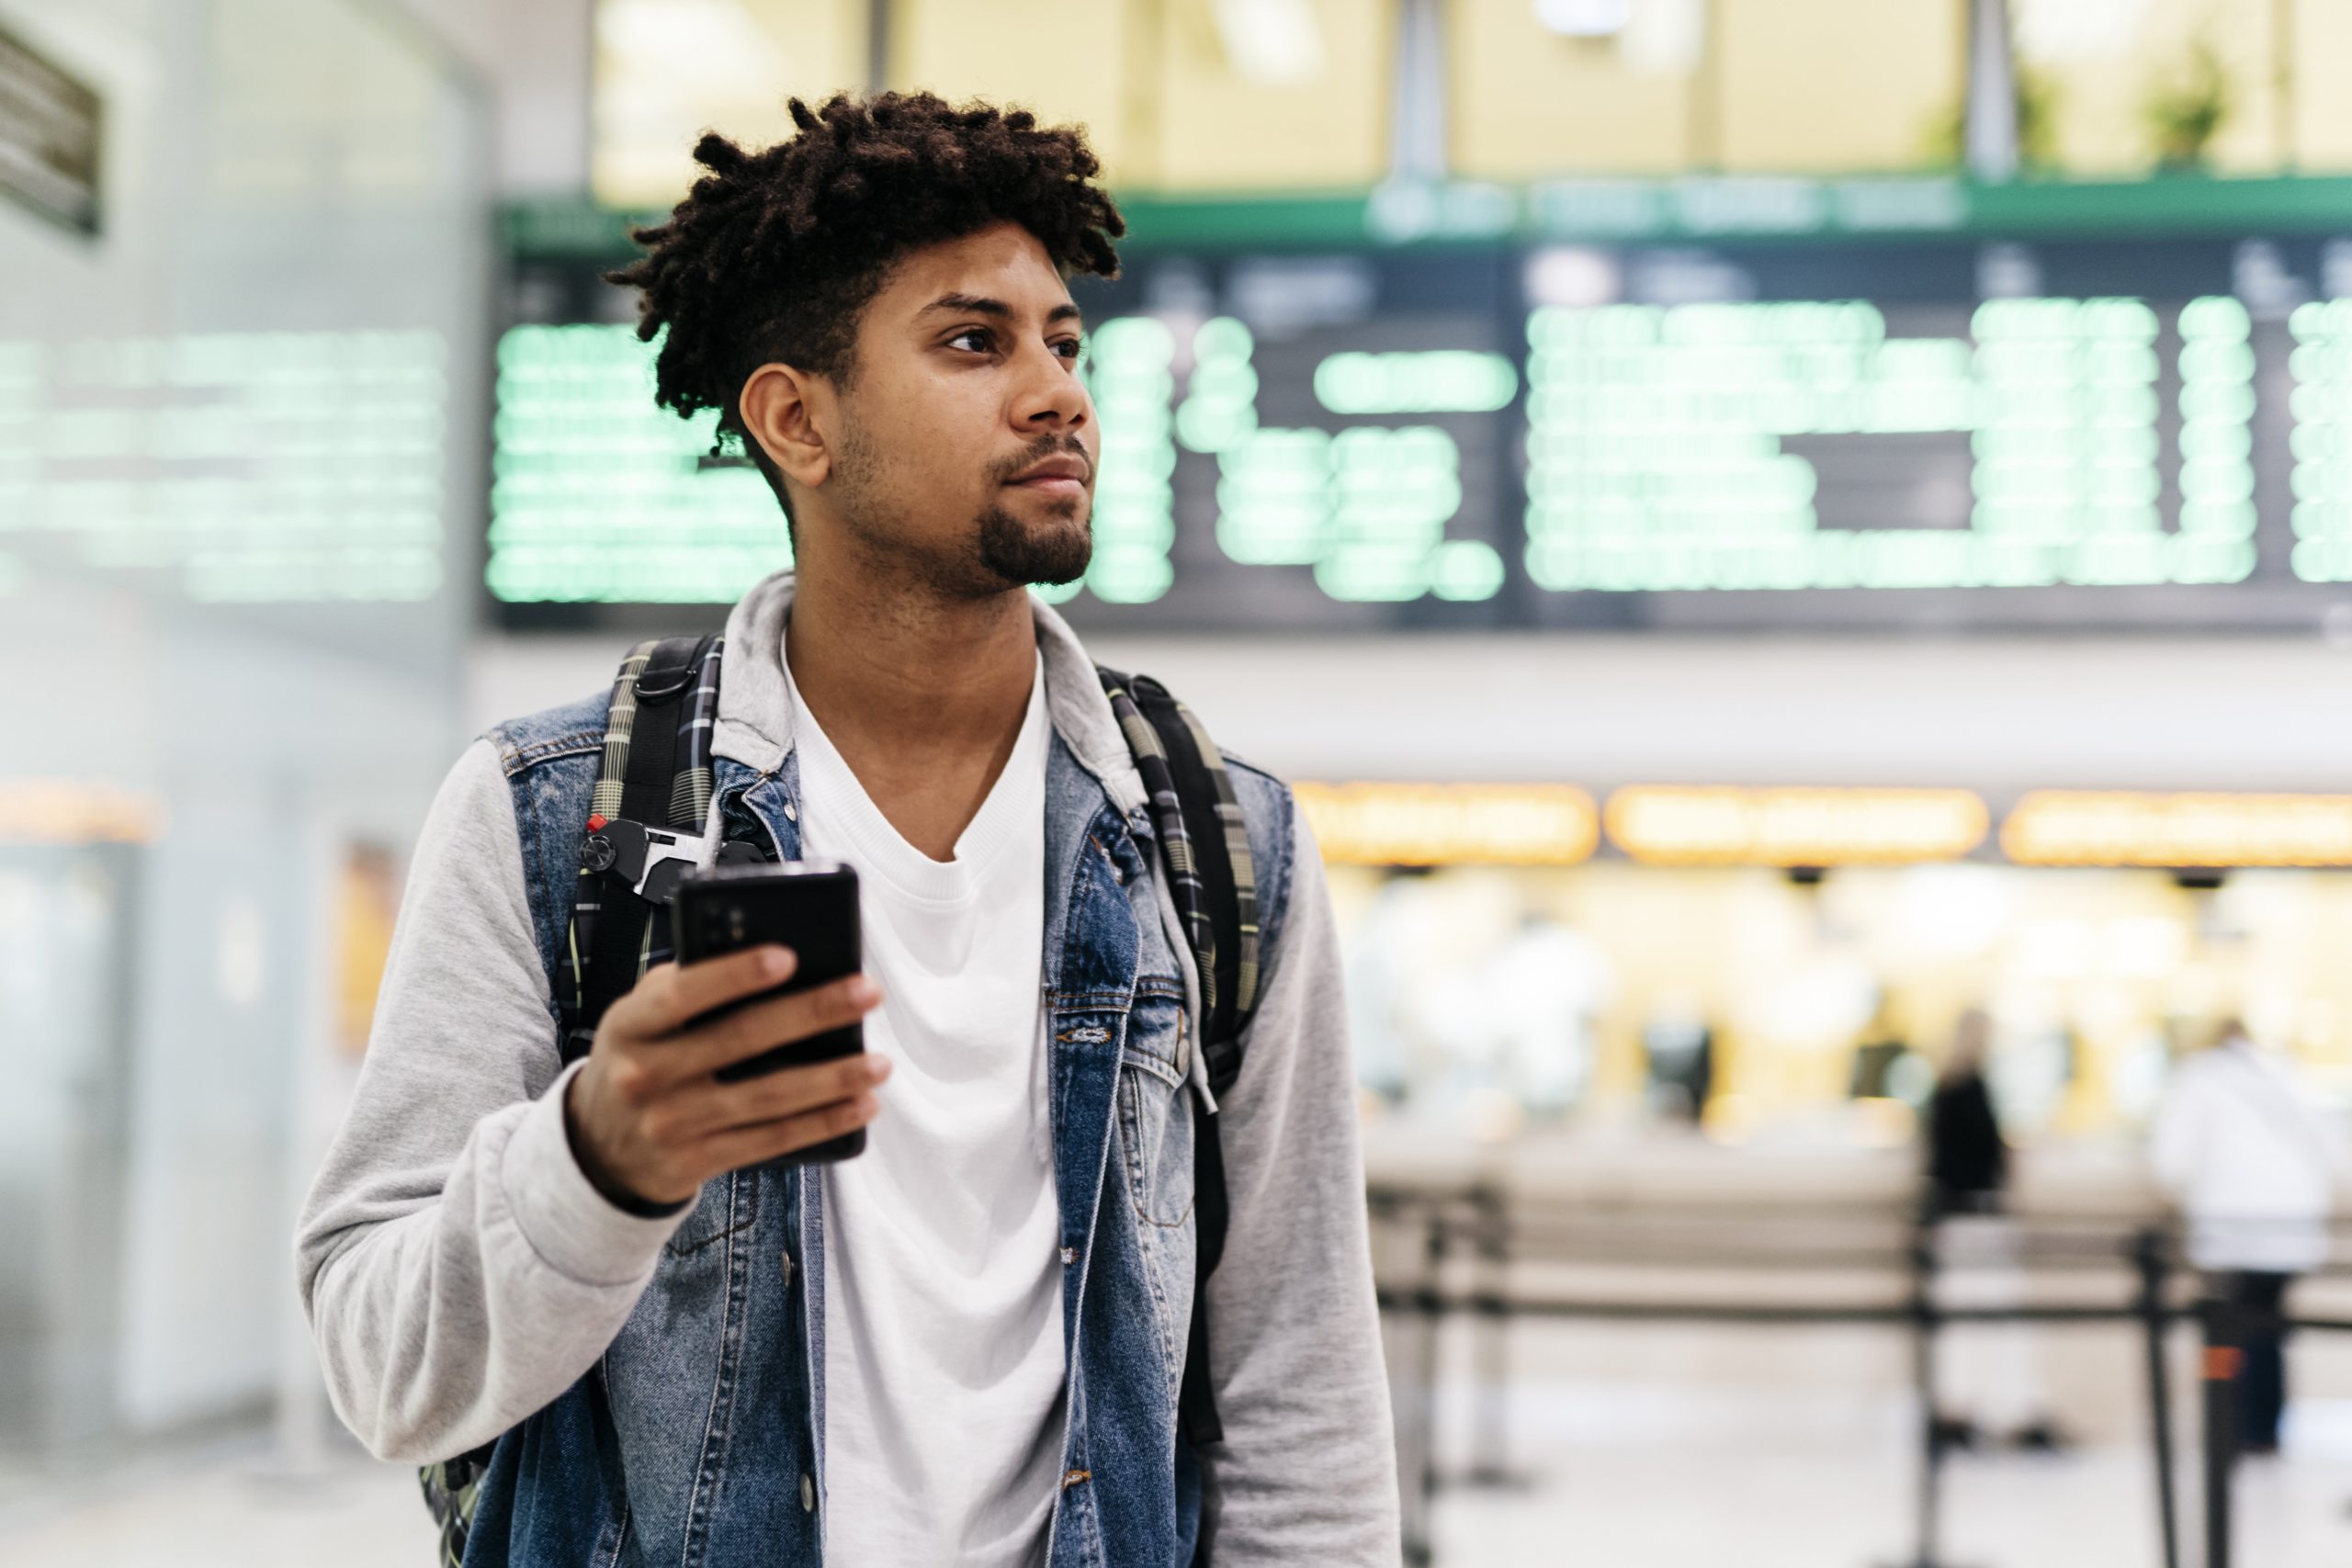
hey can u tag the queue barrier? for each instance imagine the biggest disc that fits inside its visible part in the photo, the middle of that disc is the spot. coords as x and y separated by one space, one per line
1481 1224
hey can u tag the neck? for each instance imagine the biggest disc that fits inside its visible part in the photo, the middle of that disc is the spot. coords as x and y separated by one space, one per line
919 692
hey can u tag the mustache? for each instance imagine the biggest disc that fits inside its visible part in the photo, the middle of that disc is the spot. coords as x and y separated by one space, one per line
1045 446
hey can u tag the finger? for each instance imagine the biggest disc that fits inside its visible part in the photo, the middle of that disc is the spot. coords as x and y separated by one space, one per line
673 996
779 1021
771 1140
714 1107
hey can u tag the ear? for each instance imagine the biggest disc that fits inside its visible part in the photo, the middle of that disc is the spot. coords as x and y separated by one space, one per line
788 412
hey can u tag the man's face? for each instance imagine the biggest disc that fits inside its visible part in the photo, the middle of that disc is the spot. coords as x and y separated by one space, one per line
967 446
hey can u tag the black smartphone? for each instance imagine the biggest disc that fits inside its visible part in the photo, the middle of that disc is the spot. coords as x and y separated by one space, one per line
809 907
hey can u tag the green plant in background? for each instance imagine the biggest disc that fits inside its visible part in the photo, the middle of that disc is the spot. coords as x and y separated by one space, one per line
2037 120
2185 109
1945 144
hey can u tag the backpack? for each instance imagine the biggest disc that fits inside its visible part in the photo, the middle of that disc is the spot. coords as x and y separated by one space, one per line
645 832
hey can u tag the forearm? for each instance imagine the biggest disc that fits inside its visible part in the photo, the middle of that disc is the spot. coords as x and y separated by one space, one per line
445 1324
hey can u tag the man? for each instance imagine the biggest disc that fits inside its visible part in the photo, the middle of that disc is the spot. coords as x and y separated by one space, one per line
965 1345
2253 1167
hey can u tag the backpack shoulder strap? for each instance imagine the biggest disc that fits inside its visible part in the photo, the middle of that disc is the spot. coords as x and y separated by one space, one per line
652 791
1204 845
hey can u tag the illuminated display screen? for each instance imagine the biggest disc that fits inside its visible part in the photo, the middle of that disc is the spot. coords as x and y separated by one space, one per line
260 467
1664 445
599 496
2084 434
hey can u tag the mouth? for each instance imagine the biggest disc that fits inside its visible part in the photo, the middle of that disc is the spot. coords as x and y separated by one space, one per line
1061 476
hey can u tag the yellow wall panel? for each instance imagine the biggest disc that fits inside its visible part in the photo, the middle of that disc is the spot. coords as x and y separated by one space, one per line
1218 130
1066 62
1529 102
2320 111
665 76
1833 85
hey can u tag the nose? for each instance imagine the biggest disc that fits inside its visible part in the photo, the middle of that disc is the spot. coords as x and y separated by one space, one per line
1050 397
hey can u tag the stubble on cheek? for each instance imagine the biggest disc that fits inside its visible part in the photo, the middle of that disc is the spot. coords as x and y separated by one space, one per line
892 509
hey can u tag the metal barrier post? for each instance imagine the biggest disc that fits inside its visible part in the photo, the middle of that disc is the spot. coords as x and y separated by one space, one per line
2223 1362
1926 1319
1418 1459
2148 1254
1491 1414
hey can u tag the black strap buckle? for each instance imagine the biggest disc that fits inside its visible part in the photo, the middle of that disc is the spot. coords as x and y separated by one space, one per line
670 673
649 862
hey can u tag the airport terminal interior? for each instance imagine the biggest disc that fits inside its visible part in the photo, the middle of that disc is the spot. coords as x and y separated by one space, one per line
1796 554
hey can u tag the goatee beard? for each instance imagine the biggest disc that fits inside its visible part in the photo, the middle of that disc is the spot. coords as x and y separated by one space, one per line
1055 555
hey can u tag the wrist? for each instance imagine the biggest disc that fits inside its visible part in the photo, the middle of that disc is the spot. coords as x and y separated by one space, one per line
609 1187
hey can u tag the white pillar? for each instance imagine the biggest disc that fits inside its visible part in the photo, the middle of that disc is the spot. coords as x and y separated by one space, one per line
1417 140
1992 128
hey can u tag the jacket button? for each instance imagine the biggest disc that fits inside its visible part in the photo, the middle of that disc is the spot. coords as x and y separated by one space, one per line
1069 1255
807 1494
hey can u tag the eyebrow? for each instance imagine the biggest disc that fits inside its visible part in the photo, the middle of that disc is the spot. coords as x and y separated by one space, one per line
981 305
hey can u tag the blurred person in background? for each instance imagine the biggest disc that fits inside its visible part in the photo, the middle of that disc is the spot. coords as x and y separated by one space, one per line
2254 1167
1988 1380
965 1345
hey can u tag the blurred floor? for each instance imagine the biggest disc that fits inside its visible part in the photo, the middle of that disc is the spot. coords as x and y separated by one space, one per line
1659 1478
225 1505
1673 1479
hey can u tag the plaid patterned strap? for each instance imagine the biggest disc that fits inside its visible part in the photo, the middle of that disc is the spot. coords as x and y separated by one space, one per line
661 778
1204 845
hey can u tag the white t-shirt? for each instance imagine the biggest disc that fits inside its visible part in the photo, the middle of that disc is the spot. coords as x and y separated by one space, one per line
2249 1159
944 1354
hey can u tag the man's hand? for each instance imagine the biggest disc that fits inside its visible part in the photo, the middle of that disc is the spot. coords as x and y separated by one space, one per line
649 1120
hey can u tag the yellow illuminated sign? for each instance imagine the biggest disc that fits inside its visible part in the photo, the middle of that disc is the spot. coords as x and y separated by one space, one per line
2118 828
1710 825
1451 824
60 811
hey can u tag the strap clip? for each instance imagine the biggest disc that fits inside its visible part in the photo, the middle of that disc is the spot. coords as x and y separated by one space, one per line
649 862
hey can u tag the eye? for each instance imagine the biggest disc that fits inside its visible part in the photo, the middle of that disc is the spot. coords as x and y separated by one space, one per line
980 338
1070 348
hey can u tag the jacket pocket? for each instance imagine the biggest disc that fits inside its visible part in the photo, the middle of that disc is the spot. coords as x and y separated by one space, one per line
1155 1112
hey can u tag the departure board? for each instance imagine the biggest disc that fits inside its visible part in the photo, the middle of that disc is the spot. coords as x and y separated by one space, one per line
2071 434
262 468
600 496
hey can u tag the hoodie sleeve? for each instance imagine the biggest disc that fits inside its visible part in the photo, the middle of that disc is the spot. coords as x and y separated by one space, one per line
458 1269
1307 1470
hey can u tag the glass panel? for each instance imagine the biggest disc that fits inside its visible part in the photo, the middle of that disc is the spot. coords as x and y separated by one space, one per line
232 460
65 929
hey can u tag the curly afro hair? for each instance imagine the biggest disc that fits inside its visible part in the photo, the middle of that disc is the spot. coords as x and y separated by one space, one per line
774 253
